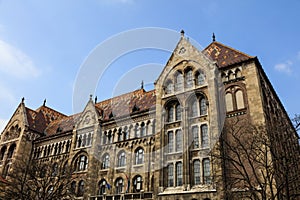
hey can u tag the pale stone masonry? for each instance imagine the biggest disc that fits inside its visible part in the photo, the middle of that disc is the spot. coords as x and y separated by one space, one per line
157 144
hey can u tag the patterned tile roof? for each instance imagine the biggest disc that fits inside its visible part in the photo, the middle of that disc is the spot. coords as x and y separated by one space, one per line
225 55
127 104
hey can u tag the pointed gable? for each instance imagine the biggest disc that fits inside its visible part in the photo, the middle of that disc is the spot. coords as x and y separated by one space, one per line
225 55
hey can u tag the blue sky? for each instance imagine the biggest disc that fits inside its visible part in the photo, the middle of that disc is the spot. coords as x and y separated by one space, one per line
44 43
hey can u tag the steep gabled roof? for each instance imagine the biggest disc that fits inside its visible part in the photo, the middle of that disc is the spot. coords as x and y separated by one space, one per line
39 119
225 55
65 124
126 104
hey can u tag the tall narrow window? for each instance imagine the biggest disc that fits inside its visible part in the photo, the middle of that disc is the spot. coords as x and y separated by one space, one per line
179 174
170 175
178 140
11 151
82 163
54 169
80 188
101 187
121 159
3 150
169 88
203 107
139 156
73 187
137 183
143 129
206 171
239 99
200 78
229 102
204 136
171 114
170 141
120 136
179 82
194 108
105 161
178 112
119 185
197 172
195 133
189 78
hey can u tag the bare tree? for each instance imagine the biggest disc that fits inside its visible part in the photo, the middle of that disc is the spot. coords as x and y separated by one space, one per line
254 166
37 180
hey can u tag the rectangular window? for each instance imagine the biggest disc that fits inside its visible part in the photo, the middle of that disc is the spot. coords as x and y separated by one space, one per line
196 172
204 136
170 175
195 133
206 171
178 141
170 141
179 174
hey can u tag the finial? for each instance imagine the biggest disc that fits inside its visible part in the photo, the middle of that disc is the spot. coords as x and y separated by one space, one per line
214 37
91 96
44 104
96 99
182 33
142 84
23 99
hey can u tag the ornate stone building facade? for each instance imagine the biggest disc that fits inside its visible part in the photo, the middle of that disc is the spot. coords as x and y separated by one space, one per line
155 144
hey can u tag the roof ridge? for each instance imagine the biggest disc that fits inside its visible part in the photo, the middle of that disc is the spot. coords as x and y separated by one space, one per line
52 109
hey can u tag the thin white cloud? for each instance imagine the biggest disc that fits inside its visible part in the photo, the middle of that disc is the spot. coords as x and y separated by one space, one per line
16 63
285 67
3 123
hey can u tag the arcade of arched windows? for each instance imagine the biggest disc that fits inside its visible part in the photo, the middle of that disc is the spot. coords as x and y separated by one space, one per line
235 98
7 152
84 140
232 75
12 133
135 130
186 79
52 149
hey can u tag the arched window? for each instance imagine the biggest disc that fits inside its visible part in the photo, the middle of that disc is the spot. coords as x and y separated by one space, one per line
196 166
80 188
170 141
178 144
230 75
189 78
179 81
6 170
119 185
195 133
204 136
203 106
206 171
139 156
126 133
143 129
79 141
178 112
239 99
89 139
120 137
200 78
170 175
105 161
122 159
81 163
238 73
54 169
65 168
137 183
11 151
169 87
171 114
229 102
2 153
101 187
179 174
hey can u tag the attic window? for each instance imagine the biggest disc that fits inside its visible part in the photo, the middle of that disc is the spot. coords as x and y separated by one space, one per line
59 130
135 108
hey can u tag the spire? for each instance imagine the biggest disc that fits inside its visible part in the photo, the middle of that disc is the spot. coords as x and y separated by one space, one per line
44 104
96 99
142 84
91 96
213 37
23 99
182 33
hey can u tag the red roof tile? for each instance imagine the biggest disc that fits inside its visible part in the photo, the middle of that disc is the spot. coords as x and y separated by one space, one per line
65 124
225 55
